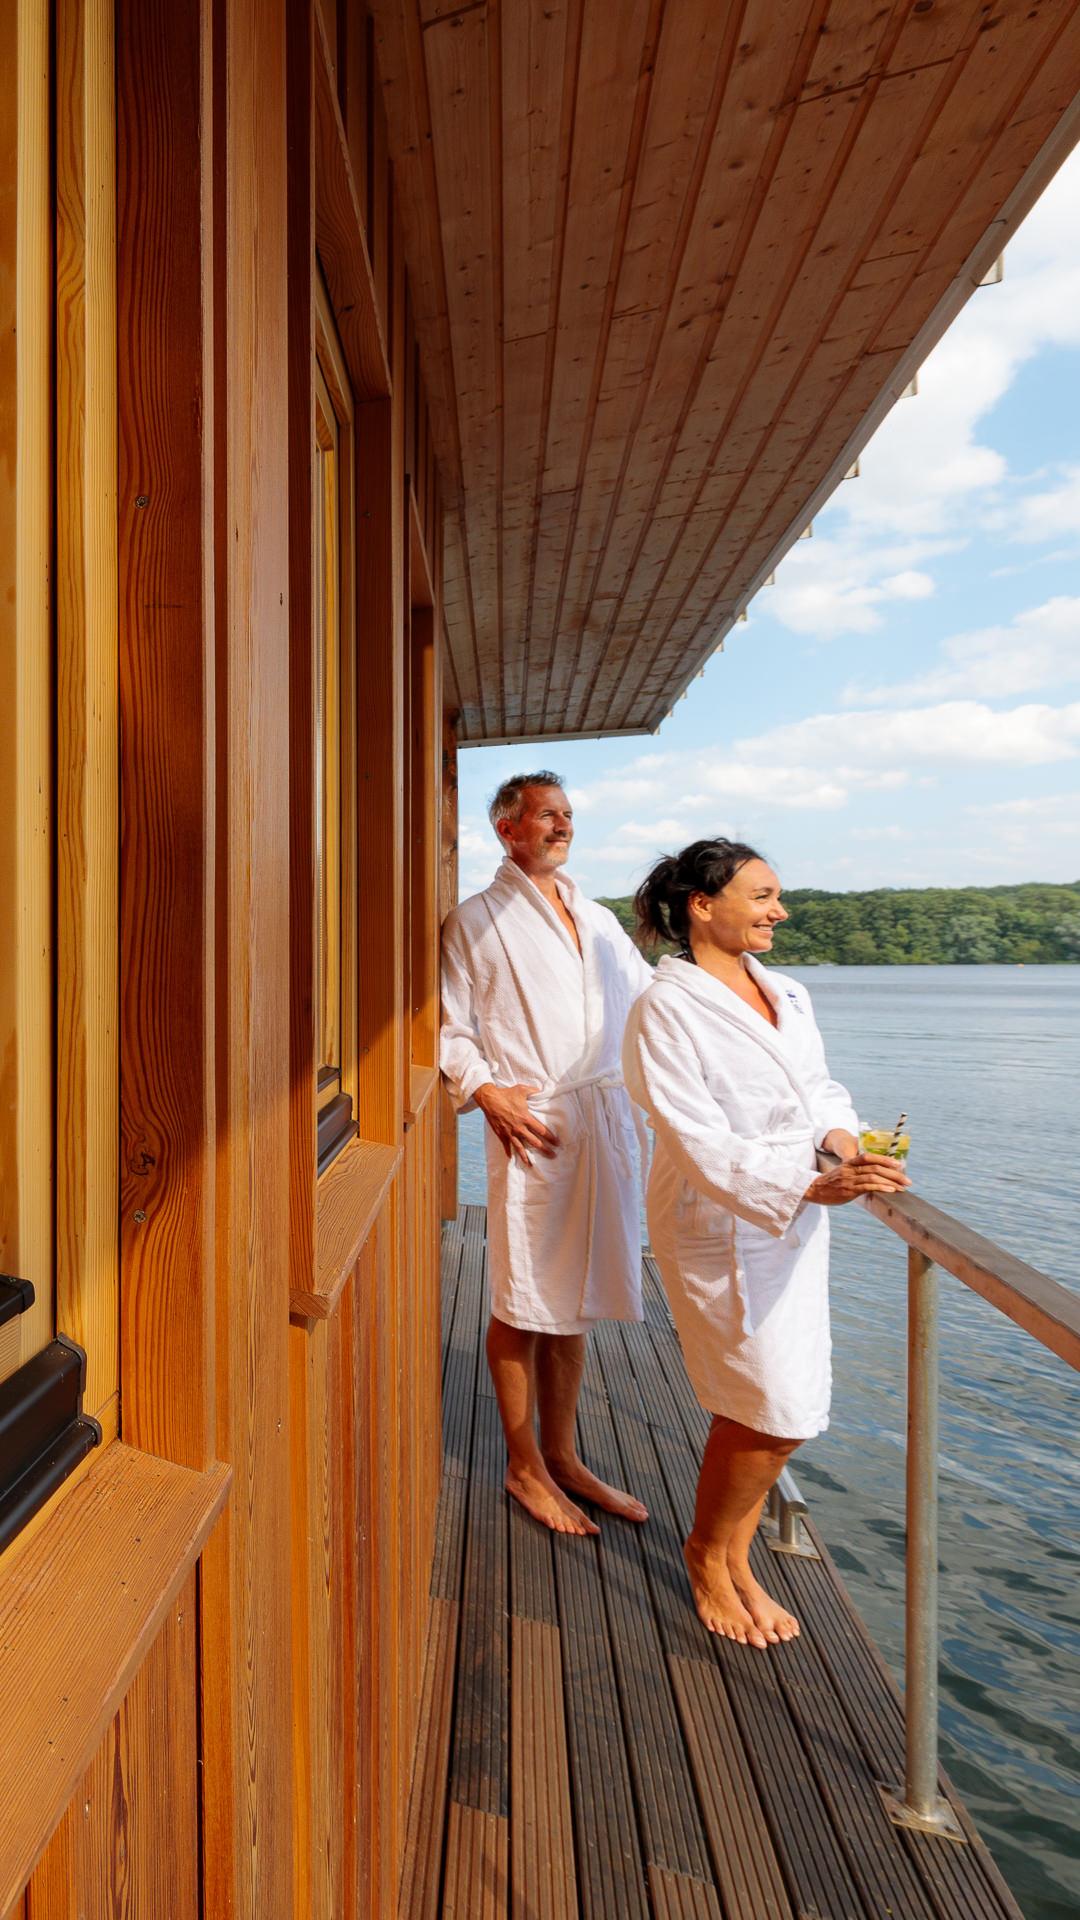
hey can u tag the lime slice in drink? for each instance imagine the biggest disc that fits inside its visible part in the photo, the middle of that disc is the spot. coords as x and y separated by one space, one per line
879 1140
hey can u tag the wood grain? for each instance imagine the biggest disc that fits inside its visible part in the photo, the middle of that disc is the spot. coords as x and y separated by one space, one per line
26 955
245 1640
300 110
128 1841
542 1872
166 748
666 265
344 238
318 1827
81 1604
87 1276
351 1195
381 772
421 1870
425 749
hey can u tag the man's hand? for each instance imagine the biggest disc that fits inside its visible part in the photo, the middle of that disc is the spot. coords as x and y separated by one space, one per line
508 1114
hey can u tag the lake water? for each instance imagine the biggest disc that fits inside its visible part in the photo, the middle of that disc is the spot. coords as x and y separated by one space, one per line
986 1061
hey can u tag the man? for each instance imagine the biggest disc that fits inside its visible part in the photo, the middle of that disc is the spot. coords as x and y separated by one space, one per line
537 984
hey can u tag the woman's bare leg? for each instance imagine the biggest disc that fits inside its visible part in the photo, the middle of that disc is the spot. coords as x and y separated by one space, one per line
737 1470
774 1621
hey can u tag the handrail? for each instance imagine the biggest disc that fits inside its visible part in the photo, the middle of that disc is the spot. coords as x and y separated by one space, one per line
1044 1308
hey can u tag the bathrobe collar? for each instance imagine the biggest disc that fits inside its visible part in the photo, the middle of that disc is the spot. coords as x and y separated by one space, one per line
510 878
712 992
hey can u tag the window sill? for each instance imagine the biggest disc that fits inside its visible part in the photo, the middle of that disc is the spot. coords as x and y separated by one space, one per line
422 1084
348 1199
83 1596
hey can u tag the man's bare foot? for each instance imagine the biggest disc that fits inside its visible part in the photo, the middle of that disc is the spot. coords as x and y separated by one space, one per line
718 1604
540 1496
774 1620
573 1476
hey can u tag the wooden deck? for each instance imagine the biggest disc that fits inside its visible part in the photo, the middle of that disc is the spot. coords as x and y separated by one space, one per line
586 1748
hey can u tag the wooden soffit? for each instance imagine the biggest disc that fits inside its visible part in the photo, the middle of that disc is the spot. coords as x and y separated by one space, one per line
672 260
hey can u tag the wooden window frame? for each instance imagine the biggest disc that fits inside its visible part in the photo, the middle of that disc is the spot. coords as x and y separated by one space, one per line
59 1218
336 1082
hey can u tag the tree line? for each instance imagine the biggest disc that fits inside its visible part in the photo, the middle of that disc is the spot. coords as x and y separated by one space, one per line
928 926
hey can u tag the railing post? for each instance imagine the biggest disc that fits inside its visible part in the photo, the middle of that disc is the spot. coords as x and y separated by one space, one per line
921 1805
921 1651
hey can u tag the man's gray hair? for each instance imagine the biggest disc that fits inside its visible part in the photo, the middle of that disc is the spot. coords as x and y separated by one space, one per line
506 803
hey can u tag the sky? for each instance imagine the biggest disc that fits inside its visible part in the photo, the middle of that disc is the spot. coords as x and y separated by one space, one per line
902 707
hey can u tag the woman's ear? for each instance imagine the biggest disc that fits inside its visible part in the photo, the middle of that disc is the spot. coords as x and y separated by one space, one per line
700 906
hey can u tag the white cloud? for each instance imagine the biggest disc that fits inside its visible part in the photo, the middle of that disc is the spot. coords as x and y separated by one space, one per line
927 477
1033 806
1047 515
956 732
832 586
642 833
478 854
1040 648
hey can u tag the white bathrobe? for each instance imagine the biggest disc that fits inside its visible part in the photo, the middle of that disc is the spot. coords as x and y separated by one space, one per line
522 1006
739 1108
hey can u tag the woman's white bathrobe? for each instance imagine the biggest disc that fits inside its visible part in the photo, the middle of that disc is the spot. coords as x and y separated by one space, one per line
739 1108
522 1006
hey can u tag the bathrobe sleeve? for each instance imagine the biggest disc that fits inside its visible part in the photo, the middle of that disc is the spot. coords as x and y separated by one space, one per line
830 1103
761 1182
461 1054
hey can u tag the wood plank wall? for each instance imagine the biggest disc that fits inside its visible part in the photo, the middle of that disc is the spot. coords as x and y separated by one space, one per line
26 1148
260 1761
87 730
128 1841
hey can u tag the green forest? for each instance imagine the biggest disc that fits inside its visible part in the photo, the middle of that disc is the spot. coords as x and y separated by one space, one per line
929 926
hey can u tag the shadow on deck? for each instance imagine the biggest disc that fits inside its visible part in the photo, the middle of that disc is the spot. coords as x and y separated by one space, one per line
586 1748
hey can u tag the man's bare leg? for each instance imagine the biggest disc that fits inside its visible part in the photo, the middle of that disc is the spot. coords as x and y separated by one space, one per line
560 1366
738 1468
511 1355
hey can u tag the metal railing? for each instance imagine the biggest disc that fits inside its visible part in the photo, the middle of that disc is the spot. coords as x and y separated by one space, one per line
1050 1313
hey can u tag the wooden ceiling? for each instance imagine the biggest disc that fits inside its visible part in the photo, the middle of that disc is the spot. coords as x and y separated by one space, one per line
671 261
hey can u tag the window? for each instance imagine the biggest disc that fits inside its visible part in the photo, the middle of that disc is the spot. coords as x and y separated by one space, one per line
334 692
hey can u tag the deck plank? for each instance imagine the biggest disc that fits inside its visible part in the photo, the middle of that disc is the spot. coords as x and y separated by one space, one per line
672 1834
611 1877
479 1762
542 1876
421 1868
744 1859
588 1751
477 1849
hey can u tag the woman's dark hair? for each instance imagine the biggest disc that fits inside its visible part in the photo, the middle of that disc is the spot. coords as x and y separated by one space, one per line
661 903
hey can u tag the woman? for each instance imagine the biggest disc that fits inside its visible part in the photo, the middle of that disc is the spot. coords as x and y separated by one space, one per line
728 1063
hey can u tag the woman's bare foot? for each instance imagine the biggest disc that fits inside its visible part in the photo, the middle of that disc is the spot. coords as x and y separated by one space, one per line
718 1604
573 1476
774 1620
540 1496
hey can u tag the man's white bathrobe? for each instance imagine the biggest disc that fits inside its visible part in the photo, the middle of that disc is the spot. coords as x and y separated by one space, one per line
739 1108
522 1006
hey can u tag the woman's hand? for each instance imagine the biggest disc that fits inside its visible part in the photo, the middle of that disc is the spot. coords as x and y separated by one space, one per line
839 1141
864 1173
511 1119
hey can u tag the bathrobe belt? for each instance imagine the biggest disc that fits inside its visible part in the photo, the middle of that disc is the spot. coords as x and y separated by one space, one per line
608 1081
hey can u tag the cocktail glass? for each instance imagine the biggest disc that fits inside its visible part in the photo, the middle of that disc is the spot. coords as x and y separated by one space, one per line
880 1140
